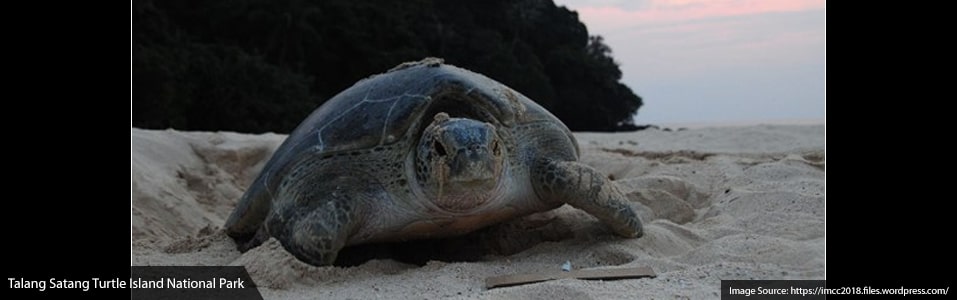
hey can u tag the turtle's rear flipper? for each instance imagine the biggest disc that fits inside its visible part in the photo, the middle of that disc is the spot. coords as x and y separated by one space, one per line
243 244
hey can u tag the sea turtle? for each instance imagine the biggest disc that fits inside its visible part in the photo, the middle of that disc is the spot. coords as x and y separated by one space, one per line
425 150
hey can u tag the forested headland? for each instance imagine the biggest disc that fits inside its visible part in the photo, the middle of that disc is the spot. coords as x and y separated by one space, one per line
263 65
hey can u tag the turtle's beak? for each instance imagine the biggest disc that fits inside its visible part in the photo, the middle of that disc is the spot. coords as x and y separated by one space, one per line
472 166
470 151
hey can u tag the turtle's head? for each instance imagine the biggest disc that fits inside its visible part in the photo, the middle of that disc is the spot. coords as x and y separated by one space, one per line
459 156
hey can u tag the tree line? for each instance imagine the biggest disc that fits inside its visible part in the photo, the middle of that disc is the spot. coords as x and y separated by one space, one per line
263 65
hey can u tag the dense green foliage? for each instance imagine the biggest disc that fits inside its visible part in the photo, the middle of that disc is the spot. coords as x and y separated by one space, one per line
263 65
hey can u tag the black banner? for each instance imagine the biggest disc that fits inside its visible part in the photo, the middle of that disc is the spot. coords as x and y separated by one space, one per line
186 283
772 289
821 289
143 282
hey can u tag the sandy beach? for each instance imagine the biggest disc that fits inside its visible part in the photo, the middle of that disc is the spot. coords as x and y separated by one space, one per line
728 203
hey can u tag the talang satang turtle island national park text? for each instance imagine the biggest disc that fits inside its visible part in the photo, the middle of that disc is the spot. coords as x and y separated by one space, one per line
135 283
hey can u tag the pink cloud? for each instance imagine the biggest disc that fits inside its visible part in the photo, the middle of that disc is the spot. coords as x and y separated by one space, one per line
606 18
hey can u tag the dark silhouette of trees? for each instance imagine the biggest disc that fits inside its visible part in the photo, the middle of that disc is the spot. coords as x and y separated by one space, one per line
263 65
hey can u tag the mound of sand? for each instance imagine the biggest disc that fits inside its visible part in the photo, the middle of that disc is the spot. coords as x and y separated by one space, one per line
717 203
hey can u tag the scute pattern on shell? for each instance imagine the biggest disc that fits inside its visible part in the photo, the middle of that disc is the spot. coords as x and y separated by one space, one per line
384 108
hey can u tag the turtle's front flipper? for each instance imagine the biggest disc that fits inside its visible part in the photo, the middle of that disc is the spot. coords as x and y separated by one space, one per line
587 189
321 219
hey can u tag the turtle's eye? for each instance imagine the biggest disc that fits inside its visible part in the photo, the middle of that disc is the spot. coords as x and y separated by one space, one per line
438 148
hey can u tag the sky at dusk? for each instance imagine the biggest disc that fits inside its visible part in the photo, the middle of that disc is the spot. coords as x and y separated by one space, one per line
717 61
